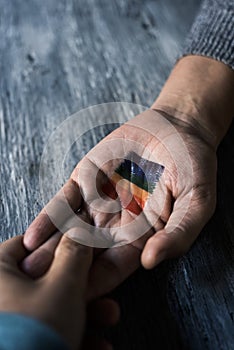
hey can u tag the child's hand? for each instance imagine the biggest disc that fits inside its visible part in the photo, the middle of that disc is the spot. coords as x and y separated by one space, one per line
57 298
163 171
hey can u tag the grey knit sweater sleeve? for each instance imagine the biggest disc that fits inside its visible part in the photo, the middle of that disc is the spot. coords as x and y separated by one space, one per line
212 33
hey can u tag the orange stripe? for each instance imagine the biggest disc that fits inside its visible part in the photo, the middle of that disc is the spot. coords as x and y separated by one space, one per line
140 201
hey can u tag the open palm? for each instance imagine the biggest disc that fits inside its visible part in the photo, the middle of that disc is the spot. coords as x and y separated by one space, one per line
142 194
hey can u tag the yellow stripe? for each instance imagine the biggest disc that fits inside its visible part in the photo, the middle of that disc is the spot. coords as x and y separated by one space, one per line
116 177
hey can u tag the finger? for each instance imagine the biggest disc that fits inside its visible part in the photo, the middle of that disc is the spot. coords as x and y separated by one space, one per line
55 213
13 251
103 312
181 230
70 266
113 266
38 262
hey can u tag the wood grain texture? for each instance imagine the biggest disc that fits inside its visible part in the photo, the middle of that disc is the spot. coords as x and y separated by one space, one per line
57 57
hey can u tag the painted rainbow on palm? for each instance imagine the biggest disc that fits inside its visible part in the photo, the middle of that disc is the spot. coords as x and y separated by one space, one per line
133 181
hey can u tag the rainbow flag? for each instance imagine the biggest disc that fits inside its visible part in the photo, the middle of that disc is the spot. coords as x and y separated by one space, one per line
133 181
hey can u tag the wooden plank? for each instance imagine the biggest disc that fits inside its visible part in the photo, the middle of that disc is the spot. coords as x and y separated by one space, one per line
58 57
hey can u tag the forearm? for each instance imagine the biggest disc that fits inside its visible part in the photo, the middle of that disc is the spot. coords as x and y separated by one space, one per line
200 92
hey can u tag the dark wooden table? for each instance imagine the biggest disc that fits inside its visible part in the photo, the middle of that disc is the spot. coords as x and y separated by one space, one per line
58 57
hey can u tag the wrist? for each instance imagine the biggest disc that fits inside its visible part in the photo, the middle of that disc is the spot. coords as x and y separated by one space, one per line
199 93
182 112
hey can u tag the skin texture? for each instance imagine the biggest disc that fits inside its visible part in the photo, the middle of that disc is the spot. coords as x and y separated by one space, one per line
199 92
197 101
43 298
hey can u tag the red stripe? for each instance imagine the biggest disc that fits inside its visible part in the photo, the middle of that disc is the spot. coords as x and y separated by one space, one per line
134 207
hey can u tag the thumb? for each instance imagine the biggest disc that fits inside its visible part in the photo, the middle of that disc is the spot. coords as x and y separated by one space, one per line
181 230
71 264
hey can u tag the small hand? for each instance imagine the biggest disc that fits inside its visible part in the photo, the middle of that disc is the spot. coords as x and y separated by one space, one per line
58 297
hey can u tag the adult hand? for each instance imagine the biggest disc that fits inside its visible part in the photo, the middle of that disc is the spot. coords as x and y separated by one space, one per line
181 202
198 101
58 297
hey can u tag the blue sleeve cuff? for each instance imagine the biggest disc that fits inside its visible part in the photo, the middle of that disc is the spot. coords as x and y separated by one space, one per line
25 333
